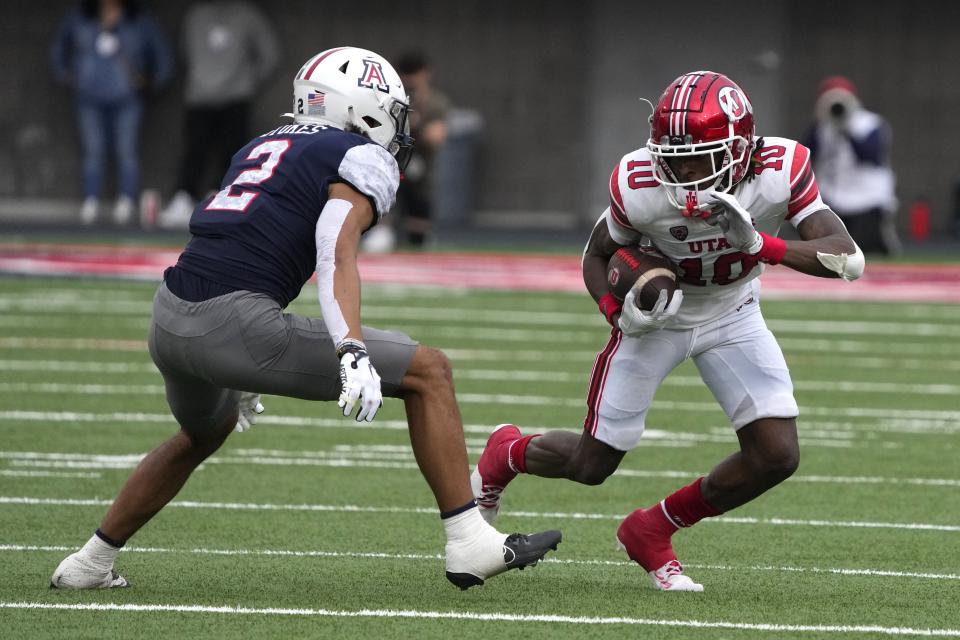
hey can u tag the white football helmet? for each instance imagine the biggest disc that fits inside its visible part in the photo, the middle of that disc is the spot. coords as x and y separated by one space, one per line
355 90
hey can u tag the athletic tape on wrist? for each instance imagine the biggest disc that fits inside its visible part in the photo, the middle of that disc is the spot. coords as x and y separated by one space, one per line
350 345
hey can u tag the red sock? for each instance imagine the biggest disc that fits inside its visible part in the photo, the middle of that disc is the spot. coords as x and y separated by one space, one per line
686 507
517 456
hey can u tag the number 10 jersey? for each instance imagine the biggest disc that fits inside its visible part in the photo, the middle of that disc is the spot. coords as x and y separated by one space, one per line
714 277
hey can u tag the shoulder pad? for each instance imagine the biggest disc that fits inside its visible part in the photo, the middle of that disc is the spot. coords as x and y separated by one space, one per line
372 171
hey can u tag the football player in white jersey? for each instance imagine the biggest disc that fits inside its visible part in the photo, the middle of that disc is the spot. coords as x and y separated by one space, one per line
711 196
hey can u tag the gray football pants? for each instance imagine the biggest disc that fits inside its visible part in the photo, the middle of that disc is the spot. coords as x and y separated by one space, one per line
210 351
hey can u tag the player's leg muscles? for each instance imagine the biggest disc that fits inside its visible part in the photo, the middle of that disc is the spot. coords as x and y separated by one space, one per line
748 375
206 414
158 478
769 454
436 428
578 457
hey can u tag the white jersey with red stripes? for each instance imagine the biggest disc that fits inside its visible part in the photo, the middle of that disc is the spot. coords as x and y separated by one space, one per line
714 276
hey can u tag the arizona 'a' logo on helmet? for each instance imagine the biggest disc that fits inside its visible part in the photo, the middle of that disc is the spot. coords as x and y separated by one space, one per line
372 77
702 113
355 90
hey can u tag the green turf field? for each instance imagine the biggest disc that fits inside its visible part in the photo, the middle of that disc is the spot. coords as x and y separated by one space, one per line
313 526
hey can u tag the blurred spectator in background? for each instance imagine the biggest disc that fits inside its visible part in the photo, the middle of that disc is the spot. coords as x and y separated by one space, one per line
230 49
851 155
428 126
109 52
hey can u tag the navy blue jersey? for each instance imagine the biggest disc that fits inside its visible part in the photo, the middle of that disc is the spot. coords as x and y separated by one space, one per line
257 233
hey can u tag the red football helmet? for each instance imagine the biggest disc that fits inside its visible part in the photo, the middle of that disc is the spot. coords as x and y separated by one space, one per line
702 113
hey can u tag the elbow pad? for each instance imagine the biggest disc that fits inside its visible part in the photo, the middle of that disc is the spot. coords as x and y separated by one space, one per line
847 266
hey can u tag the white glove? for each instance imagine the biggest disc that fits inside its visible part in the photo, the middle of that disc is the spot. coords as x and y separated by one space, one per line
734 221
359 381
250 408
636 322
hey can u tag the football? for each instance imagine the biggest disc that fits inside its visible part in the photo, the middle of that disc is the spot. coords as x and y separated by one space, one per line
645 268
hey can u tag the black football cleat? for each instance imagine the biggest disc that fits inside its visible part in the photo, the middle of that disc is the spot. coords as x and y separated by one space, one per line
517 551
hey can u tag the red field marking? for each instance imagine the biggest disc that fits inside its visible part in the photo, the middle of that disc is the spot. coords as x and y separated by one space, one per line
881 282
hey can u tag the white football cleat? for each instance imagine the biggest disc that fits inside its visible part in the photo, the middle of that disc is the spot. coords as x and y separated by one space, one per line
491 553
669 577
76 572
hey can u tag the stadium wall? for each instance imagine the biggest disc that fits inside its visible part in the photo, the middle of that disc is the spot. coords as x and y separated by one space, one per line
557 83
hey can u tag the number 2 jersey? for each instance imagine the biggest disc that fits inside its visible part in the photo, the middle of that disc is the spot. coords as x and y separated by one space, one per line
257 233
714 277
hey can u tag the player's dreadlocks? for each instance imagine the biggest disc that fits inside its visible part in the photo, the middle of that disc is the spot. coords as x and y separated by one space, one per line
755 160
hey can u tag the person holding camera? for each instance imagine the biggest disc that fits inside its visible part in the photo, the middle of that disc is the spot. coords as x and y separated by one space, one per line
850 147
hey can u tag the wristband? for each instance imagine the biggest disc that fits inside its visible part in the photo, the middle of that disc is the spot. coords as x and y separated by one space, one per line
773 249
349 345
609 305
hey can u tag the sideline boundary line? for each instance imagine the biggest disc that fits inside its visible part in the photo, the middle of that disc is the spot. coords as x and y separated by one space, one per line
485 617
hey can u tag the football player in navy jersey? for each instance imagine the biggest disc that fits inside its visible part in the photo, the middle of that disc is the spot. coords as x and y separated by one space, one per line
295 201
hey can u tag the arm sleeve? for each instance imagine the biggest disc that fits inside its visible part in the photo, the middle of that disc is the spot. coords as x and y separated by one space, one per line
373 172
326 233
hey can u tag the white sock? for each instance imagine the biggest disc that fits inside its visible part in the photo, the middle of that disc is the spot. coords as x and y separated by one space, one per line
99 554
466 526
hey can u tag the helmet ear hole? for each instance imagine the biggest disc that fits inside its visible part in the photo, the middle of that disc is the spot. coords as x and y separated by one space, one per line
373 123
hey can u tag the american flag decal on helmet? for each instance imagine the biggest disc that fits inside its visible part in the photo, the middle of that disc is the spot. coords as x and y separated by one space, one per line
316 104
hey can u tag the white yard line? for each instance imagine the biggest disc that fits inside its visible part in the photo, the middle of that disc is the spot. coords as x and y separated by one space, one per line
78 366
905 421
885 388
376 555
25 473
485 617
940 353
533 375
537 301
239 506
389 456
78 344
496 316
